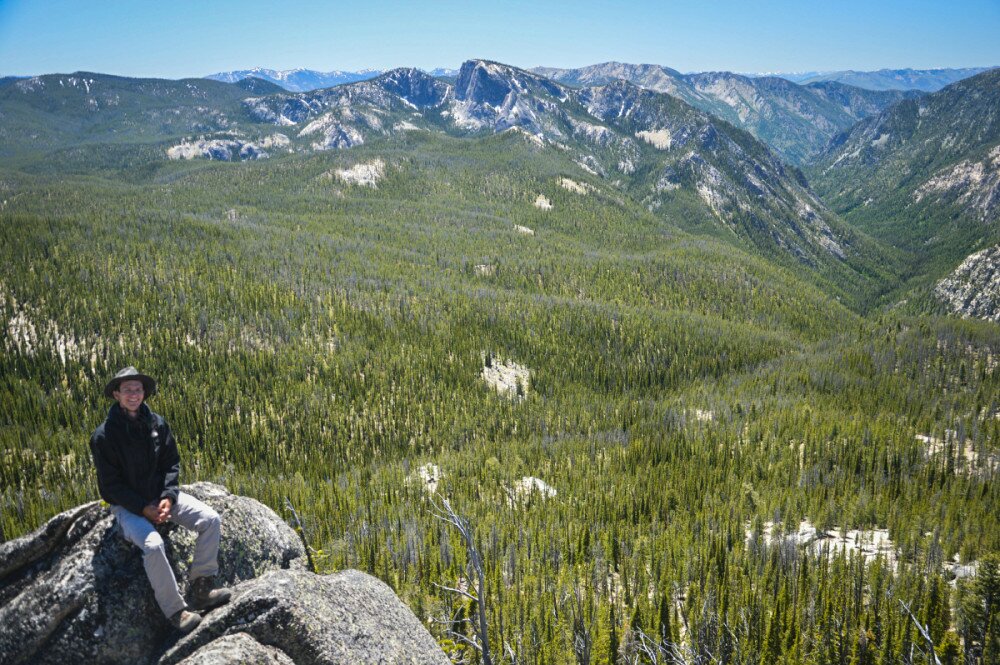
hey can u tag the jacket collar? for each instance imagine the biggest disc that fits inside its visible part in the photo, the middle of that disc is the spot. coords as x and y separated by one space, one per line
116 414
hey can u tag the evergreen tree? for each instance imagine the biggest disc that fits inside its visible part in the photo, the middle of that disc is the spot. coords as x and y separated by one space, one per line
665 632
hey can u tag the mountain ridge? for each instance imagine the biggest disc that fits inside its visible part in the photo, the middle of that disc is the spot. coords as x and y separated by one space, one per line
925 80
797 121
922 175
659 142
306 80
681 163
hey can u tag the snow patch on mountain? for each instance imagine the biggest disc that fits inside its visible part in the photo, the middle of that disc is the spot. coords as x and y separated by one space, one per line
32 84
967 459
427 477
29 332
521 490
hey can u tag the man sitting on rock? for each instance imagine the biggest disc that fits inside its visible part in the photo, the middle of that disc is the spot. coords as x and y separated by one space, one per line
137 469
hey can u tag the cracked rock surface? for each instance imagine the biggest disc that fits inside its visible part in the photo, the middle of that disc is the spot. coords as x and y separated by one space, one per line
74 591
346 617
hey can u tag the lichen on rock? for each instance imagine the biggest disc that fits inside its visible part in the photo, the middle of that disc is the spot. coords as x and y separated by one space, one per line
75 591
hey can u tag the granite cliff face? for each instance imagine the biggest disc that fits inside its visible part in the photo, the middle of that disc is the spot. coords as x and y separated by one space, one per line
75 591
973 289
498 97
972 184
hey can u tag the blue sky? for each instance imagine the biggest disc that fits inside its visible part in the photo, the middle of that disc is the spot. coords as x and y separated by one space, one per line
176 38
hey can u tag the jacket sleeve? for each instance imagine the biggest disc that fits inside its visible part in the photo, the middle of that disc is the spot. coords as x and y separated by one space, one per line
111 482
170 467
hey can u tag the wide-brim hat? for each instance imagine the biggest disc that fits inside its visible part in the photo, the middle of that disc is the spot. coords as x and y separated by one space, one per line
130 374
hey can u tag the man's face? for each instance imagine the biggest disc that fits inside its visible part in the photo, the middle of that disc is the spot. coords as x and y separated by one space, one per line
129 395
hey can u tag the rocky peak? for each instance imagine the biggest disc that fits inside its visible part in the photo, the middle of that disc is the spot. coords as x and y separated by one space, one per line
614 99
485 82
414 87
652 77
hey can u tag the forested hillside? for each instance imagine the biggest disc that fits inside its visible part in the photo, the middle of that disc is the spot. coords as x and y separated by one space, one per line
922 175
673 442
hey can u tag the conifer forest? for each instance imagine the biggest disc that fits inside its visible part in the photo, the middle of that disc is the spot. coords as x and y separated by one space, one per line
660 438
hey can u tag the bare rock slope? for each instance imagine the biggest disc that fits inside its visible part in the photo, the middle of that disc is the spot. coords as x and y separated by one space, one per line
973 289
75 591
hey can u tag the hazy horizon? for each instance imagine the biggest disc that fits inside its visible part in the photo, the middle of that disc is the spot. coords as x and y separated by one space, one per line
800 72
182 40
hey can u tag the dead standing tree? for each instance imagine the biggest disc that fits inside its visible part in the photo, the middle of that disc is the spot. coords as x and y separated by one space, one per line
476 591
925 632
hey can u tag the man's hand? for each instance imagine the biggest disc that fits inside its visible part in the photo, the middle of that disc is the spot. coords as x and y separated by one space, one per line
157 513
164 510
151 513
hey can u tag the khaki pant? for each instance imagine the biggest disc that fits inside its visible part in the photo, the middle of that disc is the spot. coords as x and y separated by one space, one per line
191 514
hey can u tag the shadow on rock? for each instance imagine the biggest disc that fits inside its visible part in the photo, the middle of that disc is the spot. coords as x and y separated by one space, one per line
74 591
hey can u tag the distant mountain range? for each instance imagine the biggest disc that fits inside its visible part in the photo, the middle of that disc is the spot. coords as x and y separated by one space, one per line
901 167
674 159
663 151
926 80
796 121
937 149
305 80
795 114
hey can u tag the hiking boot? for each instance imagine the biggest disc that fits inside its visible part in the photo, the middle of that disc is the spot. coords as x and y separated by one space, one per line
204 596
185 621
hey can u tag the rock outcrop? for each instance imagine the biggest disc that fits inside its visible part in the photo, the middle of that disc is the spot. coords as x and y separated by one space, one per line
224 150
346 617
75 591
973 185
973 289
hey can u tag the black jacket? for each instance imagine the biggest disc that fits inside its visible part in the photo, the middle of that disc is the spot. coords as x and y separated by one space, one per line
136 459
